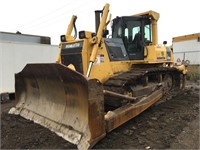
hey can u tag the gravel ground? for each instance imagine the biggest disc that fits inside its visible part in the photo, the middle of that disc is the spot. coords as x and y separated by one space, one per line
172 123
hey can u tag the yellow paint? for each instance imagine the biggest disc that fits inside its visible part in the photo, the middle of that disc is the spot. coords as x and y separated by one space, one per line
154 18
71 66
103 68
186 37
70 28
100 31
94 50
182 68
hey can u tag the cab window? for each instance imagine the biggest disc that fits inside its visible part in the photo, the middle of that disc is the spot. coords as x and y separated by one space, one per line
147 33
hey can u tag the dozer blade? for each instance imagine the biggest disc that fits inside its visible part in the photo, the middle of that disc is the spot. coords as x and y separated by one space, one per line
62 100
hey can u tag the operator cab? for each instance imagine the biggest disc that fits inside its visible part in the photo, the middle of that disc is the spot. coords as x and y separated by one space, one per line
135 32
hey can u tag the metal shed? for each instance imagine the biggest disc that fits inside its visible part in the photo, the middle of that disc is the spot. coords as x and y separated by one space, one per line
187 47
16 50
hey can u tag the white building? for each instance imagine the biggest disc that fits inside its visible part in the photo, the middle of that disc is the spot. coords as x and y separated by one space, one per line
16 50
187 47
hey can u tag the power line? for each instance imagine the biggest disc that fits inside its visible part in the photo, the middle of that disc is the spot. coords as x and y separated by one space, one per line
52 18
32 22
58 18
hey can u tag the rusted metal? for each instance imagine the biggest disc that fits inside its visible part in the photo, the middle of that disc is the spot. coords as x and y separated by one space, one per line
160 79
121 115
62 100
145 80
72 106
183 81
139 82
121 96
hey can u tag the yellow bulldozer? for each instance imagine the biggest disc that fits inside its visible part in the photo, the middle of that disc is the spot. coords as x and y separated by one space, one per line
99 81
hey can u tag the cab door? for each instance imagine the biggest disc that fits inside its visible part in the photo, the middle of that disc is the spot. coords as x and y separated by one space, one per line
134 32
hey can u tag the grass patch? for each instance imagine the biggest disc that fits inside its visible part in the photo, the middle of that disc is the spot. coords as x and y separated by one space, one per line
193 72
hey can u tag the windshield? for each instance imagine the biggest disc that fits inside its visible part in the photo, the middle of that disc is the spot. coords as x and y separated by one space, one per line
135 32
128 29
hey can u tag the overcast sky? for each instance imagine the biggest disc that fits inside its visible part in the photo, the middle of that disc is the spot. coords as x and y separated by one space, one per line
51 17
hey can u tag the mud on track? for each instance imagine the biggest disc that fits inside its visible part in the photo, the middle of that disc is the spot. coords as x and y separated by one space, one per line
170 123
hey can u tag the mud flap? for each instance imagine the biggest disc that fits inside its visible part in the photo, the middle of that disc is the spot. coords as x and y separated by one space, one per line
63 101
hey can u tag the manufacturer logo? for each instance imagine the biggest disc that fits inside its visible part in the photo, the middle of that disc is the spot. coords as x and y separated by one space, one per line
72 45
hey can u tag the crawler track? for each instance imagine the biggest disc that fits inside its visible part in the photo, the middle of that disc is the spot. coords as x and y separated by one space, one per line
169 124
142 80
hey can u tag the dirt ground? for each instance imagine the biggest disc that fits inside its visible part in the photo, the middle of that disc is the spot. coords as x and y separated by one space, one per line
172 123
